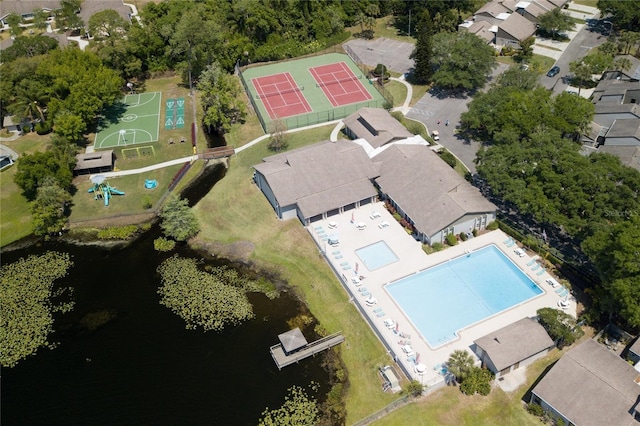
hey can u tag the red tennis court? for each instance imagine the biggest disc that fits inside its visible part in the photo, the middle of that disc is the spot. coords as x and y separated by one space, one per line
280 95
339 84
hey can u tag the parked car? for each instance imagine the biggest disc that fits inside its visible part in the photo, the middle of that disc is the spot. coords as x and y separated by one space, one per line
553 71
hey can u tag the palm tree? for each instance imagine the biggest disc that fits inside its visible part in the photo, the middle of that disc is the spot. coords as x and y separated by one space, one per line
460 364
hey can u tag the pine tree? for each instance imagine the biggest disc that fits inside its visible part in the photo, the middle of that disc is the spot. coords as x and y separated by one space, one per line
423 69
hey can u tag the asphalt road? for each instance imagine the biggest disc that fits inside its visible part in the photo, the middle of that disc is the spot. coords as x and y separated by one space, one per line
584 41
435 106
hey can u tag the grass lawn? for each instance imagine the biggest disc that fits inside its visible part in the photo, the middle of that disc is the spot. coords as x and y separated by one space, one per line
592 3
235 210
15 217
449 406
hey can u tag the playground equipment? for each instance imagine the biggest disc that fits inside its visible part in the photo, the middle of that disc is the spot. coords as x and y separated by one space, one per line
102 190
150 183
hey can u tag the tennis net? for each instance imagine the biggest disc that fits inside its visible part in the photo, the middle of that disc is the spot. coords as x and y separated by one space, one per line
280 92
339 80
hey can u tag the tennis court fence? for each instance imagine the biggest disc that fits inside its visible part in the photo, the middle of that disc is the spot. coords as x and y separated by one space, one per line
365 70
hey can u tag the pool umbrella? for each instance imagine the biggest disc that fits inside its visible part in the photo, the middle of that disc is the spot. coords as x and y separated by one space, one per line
356 268
397 327
353 217
417 357
98 179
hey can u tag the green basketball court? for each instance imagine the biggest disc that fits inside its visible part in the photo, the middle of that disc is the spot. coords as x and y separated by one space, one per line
136 120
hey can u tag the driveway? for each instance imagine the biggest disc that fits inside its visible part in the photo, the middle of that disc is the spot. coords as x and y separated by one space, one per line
394 54
434 107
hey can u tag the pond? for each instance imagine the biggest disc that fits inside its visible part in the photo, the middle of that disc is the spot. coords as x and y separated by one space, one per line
143 366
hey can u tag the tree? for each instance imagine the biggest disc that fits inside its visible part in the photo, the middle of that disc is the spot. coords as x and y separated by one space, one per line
40 19
560 326
28 47
477 381
460 364
69 126
34 168
49 209
581 74
178 221
107 26
221 97
555 21
518 78
210 301
422 54
622 63
625 13
14 21
462 61
628 40
571 115
26 297
413 388
67 16
298 409
278 140
526 49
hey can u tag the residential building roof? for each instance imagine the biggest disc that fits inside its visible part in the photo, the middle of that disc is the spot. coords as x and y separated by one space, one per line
320 177
591 385
376 126
493 9
483 30
23 7
625 128
635 348
515 342
616 90
518 27
615 108
629 155
441 198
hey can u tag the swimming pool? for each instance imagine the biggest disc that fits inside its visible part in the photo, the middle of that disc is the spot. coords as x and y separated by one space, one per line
449 297
376 255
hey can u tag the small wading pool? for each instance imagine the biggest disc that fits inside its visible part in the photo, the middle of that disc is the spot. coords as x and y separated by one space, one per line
376 255
449 297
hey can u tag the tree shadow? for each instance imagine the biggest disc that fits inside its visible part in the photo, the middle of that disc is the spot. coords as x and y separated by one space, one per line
111 115
445 93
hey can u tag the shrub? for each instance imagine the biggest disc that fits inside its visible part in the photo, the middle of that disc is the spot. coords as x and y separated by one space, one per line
535 409
118 232
397 216
493 225
437 246
413 388
448 158
451 240
463 236
163 244
478 381
475 232
43 128
146 202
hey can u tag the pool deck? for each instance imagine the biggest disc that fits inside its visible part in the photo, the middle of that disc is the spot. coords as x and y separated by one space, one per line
412 259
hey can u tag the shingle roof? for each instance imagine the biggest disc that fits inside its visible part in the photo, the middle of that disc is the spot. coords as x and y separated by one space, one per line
629 155
94 159
292 340
22 7
493 8
320 177
625 128
376 126
518 27
591 385
426 188
483 30
515 342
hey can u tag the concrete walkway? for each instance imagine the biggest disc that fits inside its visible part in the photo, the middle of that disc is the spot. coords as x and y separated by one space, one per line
5 150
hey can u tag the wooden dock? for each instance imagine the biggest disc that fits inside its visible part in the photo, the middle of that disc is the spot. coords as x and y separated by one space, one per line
282 359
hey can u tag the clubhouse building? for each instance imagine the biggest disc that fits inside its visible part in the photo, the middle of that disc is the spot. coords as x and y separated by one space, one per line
333 177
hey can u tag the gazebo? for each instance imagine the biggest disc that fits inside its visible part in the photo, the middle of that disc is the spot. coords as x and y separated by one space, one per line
292 340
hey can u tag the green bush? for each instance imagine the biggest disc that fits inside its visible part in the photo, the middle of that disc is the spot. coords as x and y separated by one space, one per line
163 244
437 246
397 216
463 236
478 381
535 409
451 239
118 232
493 225
146 202
475 232
448 158
43 128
